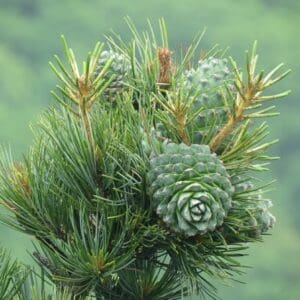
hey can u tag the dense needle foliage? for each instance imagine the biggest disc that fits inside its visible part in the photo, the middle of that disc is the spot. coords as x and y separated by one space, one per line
143 181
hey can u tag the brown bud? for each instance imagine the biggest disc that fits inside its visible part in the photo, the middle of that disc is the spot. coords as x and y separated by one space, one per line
166 66
84 86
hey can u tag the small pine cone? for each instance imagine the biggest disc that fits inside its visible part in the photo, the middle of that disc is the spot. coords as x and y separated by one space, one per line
255 218
264 219
150 140
190 187
211 73
208 79
261 219
120 68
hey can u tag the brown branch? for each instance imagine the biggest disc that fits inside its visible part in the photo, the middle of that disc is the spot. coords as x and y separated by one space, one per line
244 99
181 121
84 107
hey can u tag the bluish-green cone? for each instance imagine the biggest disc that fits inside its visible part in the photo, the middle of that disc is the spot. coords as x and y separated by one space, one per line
258 218
206 81
264 220
210 74
190 187
205 87
119 68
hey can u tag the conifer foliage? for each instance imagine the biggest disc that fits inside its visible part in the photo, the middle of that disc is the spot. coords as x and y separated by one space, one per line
143 181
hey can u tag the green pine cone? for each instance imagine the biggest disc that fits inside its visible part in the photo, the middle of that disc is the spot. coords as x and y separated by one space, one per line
119 68
150 141
208 79
190 187
210 74
257 219
263 218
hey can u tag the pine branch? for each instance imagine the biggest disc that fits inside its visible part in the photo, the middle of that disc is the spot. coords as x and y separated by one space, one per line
81 90
249 94
121 191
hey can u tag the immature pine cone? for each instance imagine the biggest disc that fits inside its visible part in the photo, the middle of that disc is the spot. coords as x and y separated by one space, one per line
190 188
119 67
207 80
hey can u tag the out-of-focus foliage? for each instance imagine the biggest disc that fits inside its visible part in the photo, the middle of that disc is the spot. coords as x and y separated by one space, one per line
29 31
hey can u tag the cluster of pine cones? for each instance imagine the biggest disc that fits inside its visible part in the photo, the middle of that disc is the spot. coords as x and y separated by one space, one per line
191 189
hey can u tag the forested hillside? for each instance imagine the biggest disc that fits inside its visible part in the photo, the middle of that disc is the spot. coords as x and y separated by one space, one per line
29 37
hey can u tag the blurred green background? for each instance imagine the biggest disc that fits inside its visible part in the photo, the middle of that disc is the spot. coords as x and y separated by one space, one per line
29 36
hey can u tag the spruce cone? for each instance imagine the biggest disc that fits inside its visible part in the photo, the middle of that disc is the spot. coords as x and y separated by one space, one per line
190 187
119 67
